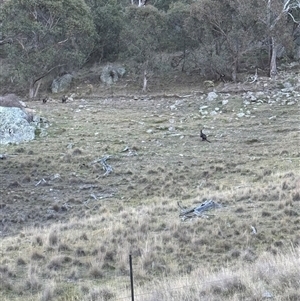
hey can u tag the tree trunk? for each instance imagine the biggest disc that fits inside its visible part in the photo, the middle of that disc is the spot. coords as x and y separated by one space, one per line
34 87
234 68
145 81
31 89
273 66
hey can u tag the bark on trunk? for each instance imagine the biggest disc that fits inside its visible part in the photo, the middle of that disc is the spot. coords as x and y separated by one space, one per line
34 87
234 69
273 66
145 81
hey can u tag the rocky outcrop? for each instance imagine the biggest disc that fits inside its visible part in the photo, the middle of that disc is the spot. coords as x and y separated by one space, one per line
11 100
14 126
111 74
16 123
61 84
284 91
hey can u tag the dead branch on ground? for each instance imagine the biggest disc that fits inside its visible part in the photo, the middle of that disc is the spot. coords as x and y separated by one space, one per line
198 210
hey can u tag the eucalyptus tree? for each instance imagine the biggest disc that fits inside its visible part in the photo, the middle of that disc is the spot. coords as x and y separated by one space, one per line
176 36
108 17
232 30
141 38
226 30
278 16
46 35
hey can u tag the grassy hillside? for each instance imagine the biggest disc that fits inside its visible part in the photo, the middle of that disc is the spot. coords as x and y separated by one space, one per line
67 229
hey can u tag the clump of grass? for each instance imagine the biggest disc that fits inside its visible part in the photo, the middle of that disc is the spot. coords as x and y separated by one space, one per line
96 271
296 196
57 262
48 292
32 282
227 286
84 237
21 261
53 239
37 255
79 252
6 278
101 295
63 247
77 152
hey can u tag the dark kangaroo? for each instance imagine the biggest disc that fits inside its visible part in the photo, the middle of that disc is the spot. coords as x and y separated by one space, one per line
203 136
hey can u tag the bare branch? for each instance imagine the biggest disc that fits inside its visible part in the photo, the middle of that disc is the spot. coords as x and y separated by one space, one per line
298 22
47 72
22 45
6 41
61 42
286 11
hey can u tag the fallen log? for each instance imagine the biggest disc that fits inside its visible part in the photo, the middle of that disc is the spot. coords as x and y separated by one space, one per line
198 210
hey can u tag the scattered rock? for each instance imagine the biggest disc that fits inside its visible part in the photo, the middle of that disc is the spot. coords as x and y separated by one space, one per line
3 156
267 295
240 115
14 126
208 83
211 96
61 84
110 74
224 102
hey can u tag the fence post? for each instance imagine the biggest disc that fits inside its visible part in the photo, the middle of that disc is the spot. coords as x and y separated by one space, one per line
131 277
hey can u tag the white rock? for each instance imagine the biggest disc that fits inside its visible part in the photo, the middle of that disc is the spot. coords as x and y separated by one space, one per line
290 103
224 102
240 114
211 96
203 112
260 94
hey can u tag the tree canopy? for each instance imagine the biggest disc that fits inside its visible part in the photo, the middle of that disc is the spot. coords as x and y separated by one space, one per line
213 36
44 35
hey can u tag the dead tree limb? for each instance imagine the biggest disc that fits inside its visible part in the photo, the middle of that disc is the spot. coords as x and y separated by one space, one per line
108 169
197 211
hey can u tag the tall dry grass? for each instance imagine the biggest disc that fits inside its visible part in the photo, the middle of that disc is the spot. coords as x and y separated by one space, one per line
274 277
216 257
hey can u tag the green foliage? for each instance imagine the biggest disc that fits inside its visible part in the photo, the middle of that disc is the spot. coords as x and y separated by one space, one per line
165 5
108 20
177 37
46 34
142 33
216 36
227 31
